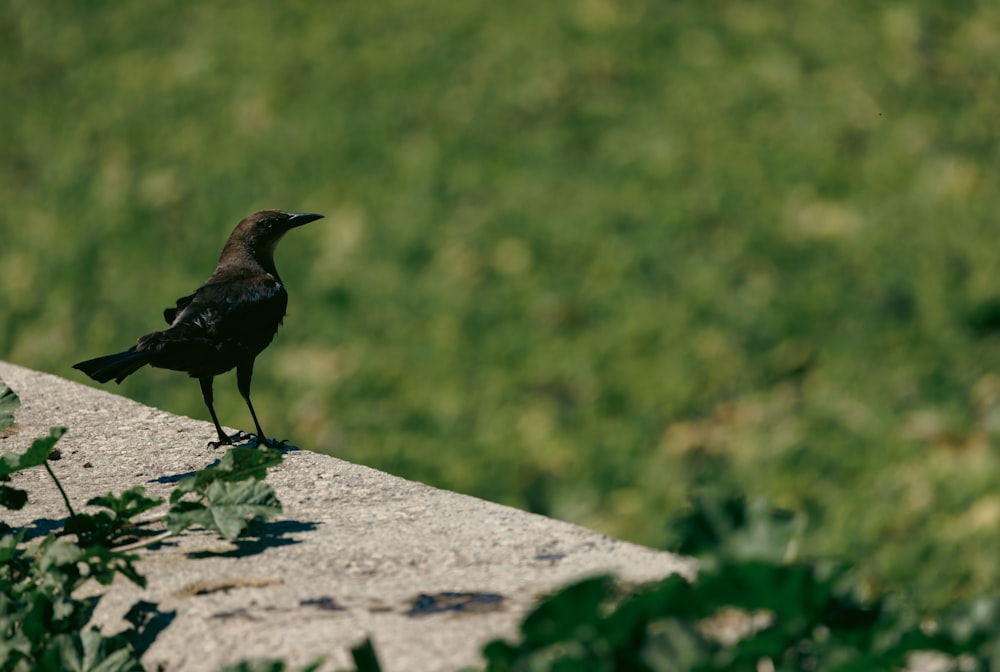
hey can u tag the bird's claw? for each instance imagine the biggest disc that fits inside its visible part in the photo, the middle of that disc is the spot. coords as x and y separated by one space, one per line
236 438
249 441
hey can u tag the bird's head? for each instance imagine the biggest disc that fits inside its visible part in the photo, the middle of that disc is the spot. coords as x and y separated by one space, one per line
260 232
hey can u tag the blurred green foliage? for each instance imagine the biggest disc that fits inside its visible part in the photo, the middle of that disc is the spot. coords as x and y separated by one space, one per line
579 256
750 607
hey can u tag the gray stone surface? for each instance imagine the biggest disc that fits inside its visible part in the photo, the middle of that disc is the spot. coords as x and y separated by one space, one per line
353 550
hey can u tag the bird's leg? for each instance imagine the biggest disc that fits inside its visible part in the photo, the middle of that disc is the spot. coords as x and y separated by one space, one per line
209 397
244 372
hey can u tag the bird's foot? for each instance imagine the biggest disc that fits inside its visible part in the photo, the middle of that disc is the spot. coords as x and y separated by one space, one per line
272 443
236 438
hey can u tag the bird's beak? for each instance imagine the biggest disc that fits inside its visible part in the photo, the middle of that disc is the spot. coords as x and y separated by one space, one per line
300 218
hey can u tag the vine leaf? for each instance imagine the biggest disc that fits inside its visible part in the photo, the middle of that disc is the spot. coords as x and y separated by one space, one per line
9 402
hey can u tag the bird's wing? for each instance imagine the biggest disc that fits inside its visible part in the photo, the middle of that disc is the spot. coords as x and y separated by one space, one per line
170 314
235 308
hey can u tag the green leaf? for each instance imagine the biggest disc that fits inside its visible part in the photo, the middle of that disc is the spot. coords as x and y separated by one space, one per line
9 402
500 655
728 527
57 553
234 504
34 456
240 462
183 515
8 546
91 528
89 651
229 508
256 666
267 666
625 628
237 464
104 527
129 504
365 659
674 645
14 645
560 616
973 622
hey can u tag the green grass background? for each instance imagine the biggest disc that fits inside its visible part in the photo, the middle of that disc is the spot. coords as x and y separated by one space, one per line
579 257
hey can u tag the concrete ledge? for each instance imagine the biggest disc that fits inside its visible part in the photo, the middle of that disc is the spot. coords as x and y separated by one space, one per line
352 553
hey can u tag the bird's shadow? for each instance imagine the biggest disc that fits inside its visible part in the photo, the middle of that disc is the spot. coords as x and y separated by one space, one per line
174 478
282 448
260 537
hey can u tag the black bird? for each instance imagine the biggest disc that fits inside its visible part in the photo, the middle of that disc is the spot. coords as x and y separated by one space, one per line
225 323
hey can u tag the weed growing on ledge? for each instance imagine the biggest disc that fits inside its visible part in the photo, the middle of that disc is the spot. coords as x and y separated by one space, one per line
42 625
754 607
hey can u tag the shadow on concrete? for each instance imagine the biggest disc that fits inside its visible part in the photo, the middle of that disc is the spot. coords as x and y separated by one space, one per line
149 622
468 603
325 603
40 527
261 537
282 448
174 478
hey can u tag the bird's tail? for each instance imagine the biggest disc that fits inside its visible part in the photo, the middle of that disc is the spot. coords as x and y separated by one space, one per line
118 366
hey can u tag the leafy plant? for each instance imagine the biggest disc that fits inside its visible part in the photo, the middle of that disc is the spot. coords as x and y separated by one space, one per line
749 604
42 625
228 496
40 621
37 454
9 402
267 666
109 526
364 657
